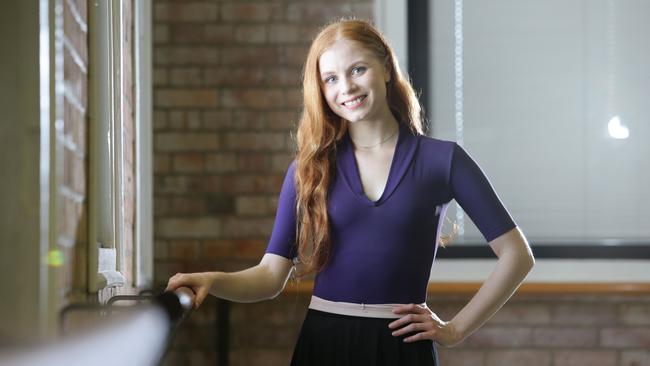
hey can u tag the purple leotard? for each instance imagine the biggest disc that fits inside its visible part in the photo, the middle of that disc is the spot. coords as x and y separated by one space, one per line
383 250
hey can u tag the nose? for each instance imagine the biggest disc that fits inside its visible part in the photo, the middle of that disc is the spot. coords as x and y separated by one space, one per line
347 85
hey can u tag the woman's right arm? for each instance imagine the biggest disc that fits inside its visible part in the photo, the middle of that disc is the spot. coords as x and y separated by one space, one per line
261 282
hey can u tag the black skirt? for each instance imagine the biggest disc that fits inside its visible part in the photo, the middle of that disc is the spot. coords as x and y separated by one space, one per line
340 340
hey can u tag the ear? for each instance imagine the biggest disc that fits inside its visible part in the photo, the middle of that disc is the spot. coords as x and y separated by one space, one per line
387 68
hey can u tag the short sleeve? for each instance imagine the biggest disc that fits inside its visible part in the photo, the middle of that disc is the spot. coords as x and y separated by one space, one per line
473 191
283 236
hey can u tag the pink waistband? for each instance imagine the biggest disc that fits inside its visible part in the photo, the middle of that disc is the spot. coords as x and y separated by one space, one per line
354 309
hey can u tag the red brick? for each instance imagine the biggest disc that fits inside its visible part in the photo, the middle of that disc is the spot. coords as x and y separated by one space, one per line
283 76
585 313
219 33
185 12
251 55
294 99
630 337
251 12
522 313
194 120
196 227
159 120
235 76
187 98
189 206
247 227
161 206
252 184
251 34
460 357
217 248
501 337
177 119
284 33
280 162
295 55
565 337
255 141
187 33
75 79
165 269
282 120
591 358
317 12
293 33
221 162
186 184
518 357
183 249
247 120
74 32
160 249
185 55
160 76
185 76
176 141
188 163
217 120
253 98
253 205
635 314
253 162
635 358
75 126
234 248
161 34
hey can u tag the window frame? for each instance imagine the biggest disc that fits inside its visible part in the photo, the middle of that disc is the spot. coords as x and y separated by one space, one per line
569 258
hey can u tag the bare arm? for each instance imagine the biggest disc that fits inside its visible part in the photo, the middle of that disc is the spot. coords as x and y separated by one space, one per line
263 281
515 261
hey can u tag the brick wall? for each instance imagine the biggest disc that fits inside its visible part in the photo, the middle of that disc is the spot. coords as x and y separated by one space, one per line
227 94
73 189
73 203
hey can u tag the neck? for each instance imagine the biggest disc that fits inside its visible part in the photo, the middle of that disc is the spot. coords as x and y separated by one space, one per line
373 133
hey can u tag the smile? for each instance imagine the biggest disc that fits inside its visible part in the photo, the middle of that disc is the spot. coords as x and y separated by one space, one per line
353 103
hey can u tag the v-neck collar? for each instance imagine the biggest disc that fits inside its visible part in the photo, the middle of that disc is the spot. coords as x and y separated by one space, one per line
347 165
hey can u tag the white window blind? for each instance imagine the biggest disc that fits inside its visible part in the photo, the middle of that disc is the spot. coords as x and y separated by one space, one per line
541 94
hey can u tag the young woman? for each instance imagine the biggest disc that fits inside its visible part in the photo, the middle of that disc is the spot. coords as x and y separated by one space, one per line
361 206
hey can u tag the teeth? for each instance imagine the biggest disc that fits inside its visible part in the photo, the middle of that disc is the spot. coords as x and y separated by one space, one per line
354 102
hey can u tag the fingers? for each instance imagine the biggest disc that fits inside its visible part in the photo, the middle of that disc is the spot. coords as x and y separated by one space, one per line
413 327
410 308
421 336
418 318
406 319
173 283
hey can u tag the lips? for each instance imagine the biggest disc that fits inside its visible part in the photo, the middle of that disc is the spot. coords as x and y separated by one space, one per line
355 101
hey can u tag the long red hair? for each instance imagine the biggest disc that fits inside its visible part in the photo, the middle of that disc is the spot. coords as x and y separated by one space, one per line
320 129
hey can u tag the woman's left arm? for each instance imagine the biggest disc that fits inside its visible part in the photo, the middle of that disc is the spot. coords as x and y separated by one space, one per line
515 261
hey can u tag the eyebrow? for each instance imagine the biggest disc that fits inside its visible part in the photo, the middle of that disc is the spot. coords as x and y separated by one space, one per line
356 63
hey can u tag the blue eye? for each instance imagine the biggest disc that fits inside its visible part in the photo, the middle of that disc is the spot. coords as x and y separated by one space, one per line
329 79
358 70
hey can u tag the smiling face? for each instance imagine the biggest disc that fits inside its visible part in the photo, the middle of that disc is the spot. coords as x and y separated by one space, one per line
353 81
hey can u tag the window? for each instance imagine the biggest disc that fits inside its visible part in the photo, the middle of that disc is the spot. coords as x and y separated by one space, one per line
120 184
548 98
